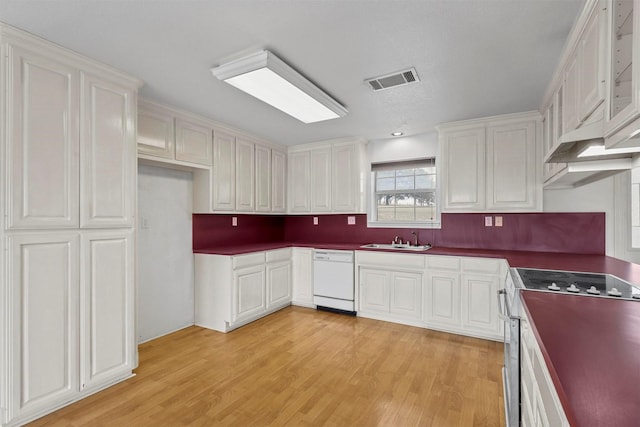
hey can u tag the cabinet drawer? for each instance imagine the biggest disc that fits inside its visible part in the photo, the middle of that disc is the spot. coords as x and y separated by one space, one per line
438 262
279 255
481 265
248 260
390 259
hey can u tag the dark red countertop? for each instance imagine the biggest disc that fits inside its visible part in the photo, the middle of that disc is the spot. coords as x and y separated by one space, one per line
592 349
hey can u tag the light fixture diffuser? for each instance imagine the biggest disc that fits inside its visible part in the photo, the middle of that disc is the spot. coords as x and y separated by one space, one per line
268 78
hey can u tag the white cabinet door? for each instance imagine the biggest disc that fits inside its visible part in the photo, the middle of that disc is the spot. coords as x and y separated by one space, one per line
512 166
592 61
345 174
155 132
224 172
278 181
463 169
300 181
278 284
303 276
107 164
42 142
263 179
321 179
43 291
442 298
374 290
245 175
479 304
107 307
405 297
193 142
570 103
249 293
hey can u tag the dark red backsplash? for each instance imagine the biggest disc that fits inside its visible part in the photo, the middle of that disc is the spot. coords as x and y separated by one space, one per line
580 233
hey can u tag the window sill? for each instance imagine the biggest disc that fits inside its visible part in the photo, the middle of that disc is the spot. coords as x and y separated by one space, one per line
407 224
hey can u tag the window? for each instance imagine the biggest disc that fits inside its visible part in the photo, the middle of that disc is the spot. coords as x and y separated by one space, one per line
404 192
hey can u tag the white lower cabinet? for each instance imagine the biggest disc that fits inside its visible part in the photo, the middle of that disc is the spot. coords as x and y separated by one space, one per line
72 292
447 293
231 291
540 404
303 277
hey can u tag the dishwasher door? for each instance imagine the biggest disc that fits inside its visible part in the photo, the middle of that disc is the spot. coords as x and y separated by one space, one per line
333 275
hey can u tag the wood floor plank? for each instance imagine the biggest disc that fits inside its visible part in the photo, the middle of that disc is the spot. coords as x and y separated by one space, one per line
301 367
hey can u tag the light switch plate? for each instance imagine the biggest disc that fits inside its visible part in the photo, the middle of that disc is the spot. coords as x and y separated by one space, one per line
351 220
498 221
234 221
315 220
488 221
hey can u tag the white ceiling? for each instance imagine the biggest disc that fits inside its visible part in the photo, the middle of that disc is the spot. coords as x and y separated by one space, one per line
474 57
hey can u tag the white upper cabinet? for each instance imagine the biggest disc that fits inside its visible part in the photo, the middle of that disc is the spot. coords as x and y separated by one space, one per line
278 181
245 175
263 179
193 142
155 131
327 177
42 141
173 137
107 154
623 91
224 171
491 164
299 181
463 162
321 179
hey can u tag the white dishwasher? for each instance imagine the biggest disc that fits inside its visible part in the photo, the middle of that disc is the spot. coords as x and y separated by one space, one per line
333 280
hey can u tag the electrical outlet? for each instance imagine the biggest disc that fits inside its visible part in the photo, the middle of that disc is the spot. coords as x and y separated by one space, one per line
488 221
351 220
498 221
234 221
144 222
315 220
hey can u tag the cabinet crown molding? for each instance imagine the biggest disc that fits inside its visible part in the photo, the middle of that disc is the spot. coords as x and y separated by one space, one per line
488 121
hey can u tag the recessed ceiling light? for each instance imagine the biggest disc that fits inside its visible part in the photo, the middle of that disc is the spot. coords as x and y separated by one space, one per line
271 80
397 134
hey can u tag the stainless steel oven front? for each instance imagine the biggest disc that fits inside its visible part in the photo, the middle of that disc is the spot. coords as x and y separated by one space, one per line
509 313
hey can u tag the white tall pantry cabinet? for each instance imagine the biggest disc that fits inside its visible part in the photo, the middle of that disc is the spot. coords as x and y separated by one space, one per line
68 200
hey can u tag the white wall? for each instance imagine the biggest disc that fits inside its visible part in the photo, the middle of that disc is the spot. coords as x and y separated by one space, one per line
403 148
165 256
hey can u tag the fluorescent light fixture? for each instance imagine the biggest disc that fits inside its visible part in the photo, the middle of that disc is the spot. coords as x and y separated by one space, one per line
268 78
593 150
397 133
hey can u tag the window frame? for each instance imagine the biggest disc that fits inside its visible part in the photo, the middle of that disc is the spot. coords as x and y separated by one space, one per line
372 220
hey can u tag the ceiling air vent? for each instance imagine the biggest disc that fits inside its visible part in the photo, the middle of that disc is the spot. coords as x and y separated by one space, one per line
395 79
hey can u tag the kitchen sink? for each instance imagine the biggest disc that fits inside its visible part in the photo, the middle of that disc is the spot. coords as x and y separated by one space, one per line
397 247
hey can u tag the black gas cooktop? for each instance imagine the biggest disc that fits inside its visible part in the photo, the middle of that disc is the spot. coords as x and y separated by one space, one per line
571 282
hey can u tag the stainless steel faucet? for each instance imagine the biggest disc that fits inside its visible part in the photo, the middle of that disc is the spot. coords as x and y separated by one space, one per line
415 234
397 240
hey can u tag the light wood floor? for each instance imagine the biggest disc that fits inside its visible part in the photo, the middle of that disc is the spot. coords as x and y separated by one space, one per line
301 367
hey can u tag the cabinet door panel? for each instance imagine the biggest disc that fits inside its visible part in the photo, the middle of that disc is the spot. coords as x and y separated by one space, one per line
303 275
278 181
464 169
374 290
44 291
570 113
224 171
406 290
321 180
155 132
108 154
511 166
43 142
591 65
263 179
479 303
245 175
344 169
193 142
442 298
107 307
278 284
249 297
300 181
